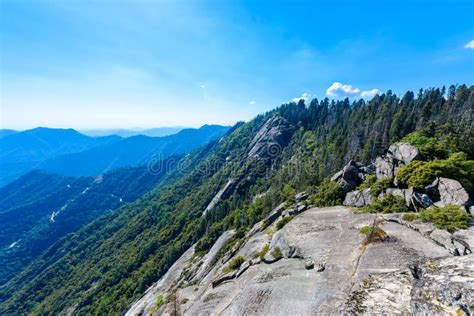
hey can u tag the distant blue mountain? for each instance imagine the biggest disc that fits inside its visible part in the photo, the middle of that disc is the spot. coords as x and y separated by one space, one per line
152 132
68 152
7 132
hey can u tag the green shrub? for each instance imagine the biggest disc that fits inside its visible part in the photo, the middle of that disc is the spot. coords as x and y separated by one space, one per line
389 204
160 300
429 147
376 186
368 182
419 174
276 253
283 222
410 217
449 217
264 251
235 263
329 193
373 233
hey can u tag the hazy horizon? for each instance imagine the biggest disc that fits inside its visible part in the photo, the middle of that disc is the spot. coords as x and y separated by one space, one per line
188 63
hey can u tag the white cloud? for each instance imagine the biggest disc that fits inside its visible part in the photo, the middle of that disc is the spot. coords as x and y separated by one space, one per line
339 90
470 45
203 86
252 102
370 93
305 97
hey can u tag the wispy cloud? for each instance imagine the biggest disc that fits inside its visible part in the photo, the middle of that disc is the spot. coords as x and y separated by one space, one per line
470 45
305 97
339 90
370 93
252 102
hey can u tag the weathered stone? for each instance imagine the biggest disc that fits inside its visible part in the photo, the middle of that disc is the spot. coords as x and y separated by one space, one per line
358 198
422 199
301 197
348 178
300 207
309 264
274 214
404 152
384 167
444 288
443 238
321 267
452 192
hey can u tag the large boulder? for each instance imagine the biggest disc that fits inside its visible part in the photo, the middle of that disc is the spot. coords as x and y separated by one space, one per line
452 192
404 152
397 156
386 166
358 198
350 176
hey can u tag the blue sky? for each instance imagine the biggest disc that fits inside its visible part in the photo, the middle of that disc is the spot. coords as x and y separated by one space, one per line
110 64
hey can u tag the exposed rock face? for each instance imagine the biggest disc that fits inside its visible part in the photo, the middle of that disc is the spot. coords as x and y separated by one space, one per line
439 287
333 272
222 194
274 135
358 198
444 287
350 176
404 152
397 156
452 192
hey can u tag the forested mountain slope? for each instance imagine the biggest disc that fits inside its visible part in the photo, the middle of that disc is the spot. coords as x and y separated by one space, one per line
232 184
40 208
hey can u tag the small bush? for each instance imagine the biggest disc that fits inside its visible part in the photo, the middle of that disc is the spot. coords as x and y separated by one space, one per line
283 222
235 263
264 251
449 217
276 253
329 193
160 300
389 204
410 217
373 233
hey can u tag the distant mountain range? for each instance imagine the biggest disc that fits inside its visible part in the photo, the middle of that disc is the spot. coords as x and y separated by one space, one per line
68 152
152 132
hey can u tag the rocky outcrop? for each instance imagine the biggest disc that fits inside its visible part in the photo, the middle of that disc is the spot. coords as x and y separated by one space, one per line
404 152
451 192
326 269
439 287
272 137
358 198
221 194
397 155
351 175
441 192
